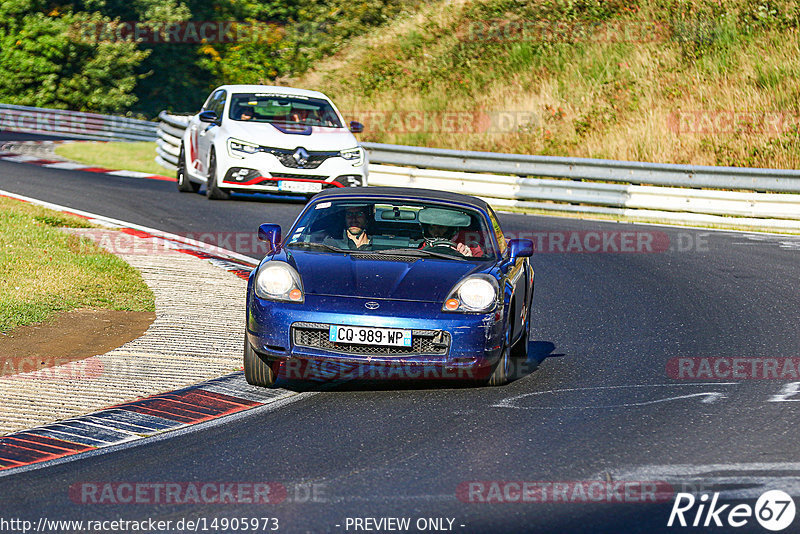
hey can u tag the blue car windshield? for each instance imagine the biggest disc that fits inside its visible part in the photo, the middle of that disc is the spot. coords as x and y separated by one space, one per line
395 227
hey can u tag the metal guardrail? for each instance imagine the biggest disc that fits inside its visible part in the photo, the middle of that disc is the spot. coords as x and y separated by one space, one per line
632 172
660 191
168 144
776 211
74 124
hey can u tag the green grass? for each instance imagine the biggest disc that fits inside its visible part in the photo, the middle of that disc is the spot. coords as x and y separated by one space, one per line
44 270
133 156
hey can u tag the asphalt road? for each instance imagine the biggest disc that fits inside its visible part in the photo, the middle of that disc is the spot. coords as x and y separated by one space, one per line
601 405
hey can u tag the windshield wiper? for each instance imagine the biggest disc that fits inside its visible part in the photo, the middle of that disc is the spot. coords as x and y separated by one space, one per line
418 252
299 244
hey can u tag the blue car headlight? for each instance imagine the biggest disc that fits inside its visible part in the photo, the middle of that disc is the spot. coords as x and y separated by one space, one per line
474 294
277 280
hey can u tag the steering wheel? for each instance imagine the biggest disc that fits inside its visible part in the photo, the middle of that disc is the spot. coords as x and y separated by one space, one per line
440 242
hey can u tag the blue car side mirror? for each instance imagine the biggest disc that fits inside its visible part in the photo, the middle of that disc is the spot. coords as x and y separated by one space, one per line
271 234
356 127
517 248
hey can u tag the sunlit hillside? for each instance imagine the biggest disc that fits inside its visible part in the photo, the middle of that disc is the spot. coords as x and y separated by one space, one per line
685 81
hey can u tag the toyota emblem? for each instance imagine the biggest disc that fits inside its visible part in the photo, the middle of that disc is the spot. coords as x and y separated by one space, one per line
372 305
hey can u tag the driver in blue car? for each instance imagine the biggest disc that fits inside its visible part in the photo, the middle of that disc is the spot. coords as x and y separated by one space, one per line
445 228
356 222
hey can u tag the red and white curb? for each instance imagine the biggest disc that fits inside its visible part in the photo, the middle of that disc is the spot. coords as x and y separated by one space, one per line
135 420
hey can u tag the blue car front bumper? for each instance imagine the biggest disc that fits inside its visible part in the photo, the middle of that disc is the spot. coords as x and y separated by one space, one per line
461 341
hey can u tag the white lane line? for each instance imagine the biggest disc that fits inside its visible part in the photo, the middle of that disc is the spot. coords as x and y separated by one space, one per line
698 469
747 480
708 397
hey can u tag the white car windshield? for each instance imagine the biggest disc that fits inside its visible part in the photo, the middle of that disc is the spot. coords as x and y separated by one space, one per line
283 109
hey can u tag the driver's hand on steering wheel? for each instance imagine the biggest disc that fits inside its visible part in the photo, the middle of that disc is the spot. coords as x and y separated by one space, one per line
463 249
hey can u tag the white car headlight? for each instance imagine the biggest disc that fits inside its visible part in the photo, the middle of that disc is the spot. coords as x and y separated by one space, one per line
354 155
239 149
277 280
474 294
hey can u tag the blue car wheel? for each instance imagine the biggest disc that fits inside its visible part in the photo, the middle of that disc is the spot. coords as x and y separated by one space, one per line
501 369
257 372
520 349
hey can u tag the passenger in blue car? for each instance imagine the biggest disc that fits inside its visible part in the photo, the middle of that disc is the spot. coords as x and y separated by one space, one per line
356 222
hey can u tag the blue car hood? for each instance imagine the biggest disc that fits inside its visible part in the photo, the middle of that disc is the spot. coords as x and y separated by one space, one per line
423 280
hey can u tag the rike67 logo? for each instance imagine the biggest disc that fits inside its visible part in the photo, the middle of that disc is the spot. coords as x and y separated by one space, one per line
774 510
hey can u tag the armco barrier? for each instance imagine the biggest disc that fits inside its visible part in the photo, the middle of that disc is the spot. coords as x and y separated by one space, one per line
168 144
775 211
658 191
632 172
75 124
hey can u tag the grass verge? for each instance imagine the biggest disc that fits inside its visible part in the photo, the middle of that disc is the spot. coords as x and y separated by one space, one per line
44 271
129 156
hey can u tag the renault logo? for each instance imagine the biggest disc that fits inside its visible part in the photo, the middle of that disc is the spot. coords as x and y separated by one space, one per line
300 157
372 305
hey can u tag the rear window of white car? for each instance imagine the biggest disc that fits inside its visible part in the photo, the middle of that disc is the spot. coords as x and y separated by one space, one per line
283 109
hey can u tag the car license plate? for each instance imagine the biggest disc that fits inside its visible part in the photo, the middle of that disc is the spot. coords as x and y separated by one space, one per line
366 335
299 187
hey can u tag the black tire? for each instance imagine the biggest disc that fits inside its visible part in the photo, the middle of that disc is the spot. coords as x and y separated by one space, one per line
212 191
520 349
501 369
185 185
257 371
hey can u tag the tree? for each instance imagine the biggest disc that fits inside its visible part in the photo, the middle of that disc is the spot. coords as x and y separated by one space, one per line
47 61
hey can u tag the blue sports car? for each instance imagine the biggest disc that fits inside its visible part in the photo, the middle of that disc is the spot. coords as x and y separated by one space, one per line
389 283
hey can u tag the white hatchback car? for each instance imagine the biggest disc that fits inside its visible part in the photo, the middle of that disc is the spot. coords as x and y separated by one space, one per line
261 138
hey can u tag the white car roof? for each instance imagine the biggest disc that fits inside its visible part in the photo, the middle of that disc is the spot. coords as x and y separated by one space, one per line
271 89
